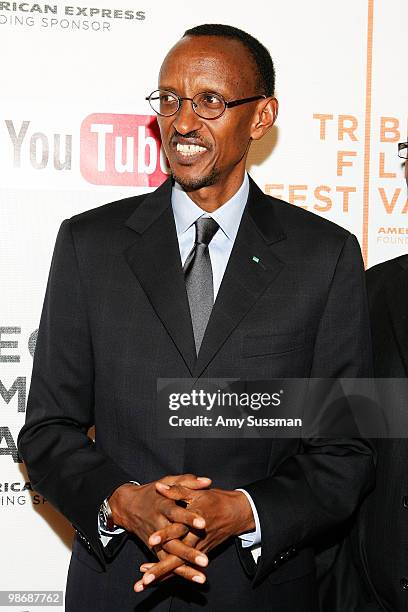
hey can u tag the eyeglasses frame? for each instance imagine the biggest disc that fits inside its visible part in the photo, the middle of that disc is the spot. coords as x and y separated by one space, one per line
230 104
402 146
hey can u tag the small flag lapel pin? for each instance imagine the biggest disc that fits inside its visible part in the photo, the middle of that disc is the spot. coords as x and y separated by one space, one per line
258 261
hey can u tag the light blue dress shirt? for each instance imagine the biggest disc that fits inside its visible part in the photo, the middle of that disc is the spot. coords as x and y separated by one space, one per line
228 216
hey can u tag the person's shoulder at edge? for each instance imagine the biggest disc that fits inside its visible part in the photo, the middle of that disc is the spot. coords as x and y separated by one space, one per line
383 270
383 274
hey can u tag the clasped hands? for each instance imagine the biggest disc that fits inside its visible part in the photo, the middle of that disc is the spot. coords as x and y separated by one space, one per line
181 519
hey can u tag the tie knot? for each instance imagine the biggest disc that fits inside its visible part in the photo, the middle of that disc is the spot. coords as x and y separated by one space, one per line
206 228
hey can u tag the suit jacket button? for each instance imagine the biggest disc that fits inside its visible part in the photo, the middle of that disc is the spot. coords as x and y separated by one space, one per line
404 584
405 502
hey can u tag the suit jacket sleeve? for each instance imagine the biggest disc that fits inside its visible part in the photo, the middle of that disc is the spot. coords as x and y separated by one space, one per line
319 488
63 463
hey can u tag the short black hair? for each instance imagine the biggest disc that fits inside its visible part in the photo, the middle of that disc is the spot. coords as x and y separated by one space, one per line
259 53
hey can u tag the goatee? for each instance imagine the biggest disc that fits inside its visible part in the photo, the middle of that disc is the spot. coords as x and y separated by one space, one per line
198 182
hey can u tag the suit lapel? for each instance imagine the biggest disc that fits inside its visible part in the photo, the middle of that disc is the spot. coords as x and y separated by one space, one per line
397 301
155 260
252 266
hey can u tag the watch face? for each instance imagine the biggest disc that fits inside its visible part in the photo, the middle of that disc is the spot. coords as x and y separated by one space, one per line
103 514
105 517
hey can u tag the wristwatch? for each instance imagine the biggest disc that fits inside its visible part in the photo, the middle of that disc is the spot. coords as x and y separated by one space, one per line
106 521
106 517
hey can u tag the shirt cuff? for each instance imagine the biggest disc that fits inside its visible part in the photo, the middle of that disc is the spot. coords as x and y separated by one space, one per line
105 534
252 538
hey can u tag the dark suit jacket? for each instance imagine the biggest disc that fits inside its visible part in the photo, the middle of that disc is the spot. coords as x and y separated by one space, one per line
380 538
116 318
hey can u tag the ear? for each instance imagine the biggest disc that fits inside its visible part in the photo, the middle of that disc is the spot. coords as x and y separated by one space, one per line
264 118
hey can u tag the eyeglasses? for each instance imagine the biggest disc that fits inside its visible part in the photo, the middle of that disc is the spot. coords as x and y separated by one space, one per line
206 105
403 150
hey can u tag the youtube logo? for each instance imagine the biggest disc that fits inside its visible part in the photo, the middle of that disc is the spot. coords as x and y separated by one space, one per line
122 150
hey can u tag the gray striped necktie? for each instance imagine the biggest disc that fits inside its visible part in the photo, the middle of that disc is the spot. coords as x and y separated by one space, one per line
199 279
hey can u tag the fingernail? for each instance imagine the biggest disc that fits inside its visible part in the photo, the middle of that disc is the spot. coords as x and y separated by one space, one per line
203 478
148 578
199 579
200 560
164 486
155 540
199 523
138 587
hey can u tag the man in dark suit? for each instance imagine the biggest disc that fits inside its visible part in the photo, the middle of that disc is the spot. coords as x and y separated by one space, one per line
130 299
380 538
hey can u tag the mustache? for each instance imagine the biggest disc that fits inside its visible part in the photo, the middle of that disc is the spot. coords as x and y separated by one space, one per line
193 136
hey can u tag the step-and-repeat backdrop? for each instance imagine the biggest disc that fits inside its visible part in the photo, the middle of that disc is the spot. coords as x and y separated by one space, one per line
76 132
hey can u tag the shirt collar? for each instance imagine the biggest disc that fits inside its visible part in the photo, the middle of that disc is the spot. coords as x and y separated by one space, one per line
228 216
